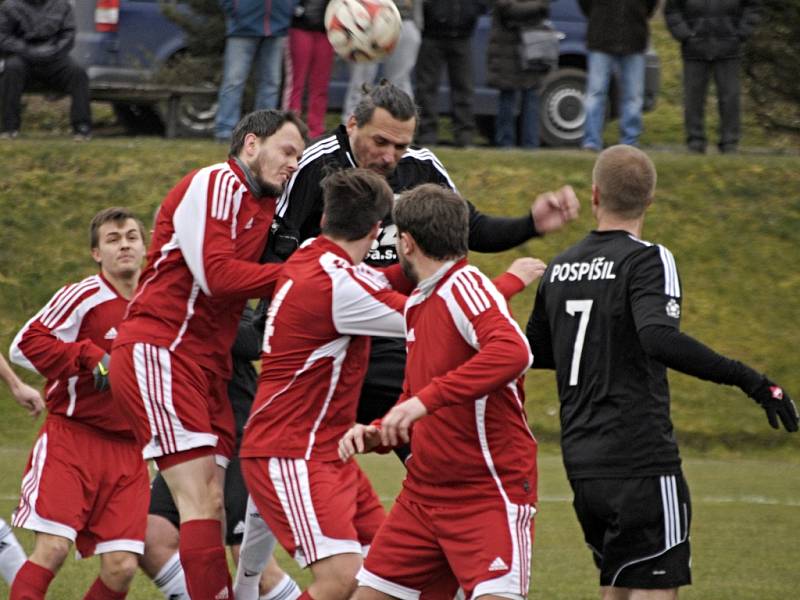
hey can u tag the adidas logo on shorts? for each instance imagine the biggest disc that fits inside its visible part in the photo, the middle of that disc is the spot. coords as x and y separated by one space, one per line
498 565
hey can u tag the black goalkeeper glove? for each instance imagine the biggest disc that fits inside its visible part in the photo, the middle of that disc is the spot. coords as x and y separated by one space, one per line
777 404
100 373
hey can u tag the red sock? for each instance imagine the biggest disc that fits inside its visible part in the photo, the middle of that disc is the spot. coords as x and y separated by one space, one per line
31 582
100 591
203 558
305 596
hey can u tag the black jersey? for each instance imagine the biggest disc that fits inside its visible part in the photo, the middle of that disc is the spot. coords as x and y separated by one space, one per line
300 208
591 303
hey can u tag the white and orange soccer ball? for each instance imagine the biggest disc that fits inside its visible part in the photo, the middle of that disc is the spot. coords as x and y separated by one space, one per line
362 30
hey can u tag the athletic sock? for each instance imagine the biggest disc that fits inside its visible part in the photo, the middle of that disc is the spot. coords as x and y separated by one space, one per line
305 596
31 582
170 580
12 556
287 589
258 542
203 558
100 591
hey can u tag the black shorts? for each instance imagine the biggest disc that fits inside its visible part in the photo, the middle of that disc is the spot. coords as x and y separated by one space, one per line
161 502
637 529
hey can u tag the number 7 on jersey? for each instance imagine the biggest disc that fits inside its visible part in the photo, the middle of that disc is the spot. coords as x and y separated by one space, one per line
582 307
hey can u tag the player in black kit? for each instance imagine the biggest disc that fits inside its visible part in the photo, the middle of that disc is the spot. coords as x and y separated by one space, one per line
378 136
607 318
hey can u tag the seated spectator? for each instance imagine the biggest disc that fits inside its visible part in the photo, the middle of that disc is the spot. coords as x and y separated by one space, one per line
35 39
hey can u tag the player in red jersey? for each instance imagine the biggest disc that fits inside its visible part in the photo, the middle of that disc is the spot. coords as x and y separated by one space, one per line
167 371
85 481
464 516
316 344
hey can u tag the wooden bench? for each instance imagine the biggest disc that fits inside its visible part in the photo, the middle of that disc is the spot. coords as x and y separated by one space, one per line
150 93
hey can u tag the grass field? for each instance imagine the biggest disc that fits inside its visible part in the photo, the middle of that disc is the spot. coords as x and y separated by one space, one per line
732 222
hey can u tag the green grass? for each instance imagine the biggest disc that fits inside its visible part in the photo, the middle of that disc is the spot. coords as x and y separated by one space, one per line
733 224
743 532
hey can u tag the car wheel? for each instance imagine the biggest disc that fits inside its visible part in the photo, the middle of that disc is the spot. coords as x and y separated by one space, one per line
138 119
562 109
195 115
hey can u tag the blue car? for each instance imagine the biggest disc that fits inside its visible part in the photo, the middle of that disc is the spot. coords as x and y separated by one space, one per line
123 43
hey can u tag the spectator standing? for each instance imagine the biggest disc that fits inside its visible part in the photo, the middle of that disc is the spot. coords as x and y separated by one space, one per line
255 33
308 64
617 38
35 39
446 41
509 17
397 66
711 36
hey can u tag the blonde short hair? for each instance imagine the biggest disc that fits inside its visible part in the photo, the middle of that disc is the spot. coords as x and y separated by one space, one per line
626 179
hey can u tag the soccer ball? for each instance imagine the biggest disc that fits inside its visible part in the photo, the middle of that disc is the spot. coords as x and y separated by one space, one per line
362 30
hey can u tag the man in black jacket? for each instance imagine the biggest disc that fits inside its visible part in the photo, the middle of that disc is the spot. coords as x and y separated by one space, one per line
711 36
378 137
446 42
616 38
35 39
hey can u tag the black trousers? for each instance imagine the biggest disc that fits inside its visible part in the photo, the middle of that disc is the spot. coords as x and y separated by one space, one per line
456 55
60 75
696 76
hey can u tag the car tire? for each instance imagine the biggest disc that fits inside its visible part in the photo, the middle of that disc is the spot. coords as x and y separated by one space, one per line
138 119
562 113
195 115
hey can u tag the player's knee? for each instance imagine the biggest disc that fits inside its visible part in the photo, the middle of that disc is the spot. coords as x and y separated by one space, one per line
118 568
50 551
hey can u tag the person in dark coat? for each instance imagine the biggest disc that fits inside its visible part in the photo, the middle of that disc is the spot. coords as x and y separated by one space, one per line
616 37
35 39
447 42
509 17
711 36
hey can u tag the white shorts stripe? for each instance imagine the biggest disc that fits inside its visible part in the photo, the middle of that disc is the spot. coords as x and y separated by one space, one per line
30 483
367 579
281 476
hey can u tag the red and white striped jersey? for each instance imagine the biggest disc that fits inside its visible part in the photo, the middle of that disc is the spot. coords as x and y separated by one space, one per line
64 341
201 267
466 361
315 353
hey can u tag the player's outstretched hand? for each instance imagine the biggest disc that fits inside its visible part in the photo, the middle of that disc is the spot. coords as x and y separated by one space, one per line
100 373
553 210
358 440
527 269
28 398
396 425
777 404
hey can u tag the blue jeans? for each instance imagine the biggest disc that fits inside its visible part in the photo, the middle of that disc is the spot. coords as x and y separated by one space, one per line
630 69
240 53
505 132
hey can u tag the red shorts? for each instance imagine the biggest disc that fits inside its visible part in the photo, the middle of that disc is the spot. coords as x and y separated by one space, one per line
90 488
315 509
172 404
427 552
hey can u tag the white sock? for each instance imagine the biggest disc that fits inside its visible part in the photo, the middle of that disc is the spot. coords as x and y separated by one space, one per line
287 589
257 546
12 556
170 580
